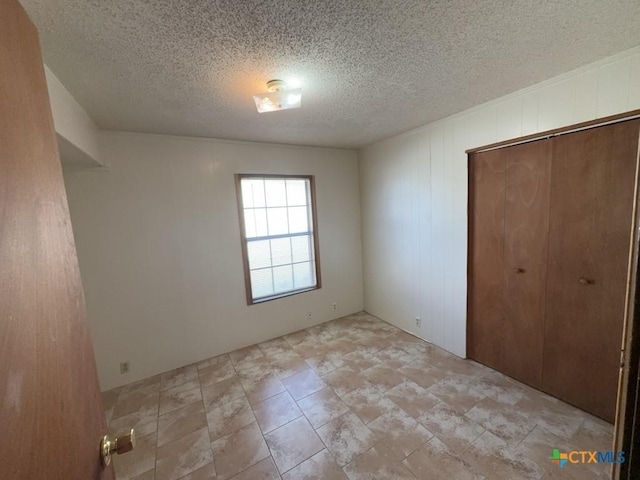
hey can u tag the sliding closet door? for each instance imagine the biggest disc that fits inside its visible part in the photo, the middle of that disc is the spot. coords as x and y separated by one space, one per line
485 332
525 258
593 176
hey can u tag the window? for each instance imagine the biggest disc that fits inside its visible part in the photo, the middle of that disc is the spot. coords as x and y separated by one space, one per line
279 235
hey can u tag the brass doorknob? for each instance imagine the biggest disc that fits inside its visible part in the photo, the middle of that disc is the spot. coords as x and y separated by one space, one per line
121 444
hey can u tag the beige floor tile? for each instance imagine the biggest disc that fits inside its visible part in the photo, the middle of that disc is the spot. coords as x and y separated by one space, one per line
400 433
178 377
148 384
412 398
395 357
369 402
208 472
359 361
266 387
287 365
453 429
423 375
213 361
246 354
346 437
144 422
274 346
148 475
344 380
263 470
140 460
178 423
321 364
276 411
498 387
322 407
321 466
293 443
433 461
229 417
502 420
139 401
555 416
490 456
216 373
378 381
238 451
539 445
594 434
377 463
180 397
183 456
382 376
255 369
303 384
298 337
456 392
222 392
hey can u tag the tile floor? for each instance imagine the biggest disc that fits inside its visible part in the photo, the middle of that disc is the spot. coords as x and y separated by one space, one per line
354 398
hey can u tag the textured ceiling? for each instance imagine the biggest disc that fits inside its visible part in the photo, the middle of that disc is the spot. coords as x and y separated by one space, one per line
369 69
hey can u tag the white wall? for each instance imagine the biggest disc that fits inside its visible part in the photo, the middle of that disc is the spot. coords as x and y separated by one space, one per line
76 133
158 242
414 193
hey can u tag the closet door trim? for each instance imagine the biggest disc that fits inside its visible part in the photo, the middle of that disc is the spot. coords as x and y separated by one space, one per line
577 127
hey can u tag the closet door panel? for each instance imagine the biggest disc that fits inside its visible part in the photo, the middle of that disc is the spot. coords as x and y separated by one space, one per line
485 334
592 185
525 258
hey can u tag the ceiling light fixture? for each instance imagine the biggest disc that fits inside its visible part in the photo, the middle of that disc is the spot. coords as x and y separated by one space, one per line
279 97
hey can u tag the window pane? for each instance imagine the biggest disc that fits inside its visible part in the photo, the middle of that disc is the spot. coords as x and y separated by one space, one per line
261 283
260 215
281 251
297 192
303 275
277 218
259 254
282 278
298 219
252 192
278 223
276 193
301 248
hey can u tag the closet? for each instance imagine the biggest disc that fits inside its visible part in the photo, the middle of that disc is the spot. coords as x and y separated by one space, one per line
549 235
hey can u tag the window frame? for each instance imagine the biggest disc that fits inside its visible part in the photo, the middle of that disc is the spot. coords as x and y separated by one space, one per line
244 241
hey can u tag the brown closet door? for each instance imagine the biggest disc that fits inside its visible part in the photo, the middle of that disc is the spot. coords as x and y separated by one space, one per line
525 258
485 333
593 176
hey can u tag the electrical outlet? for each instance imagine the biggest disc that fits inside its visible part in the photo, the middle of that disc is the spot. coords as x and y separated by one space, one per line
124 367
309 315
334 306
418 322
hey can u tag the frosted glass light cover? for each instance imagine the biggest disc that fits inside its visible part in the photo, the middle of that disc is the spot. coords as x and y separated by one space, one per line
280 100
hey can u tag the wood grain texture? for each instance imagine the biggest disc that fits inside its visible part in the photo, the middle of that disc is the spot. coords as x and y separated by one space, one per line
485 332
593 176
525 258
51 417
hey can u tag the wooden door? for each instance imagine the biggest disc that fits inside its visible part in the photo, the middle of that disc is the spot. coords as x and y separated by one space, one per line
526 231
592 190
485 332
51 415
